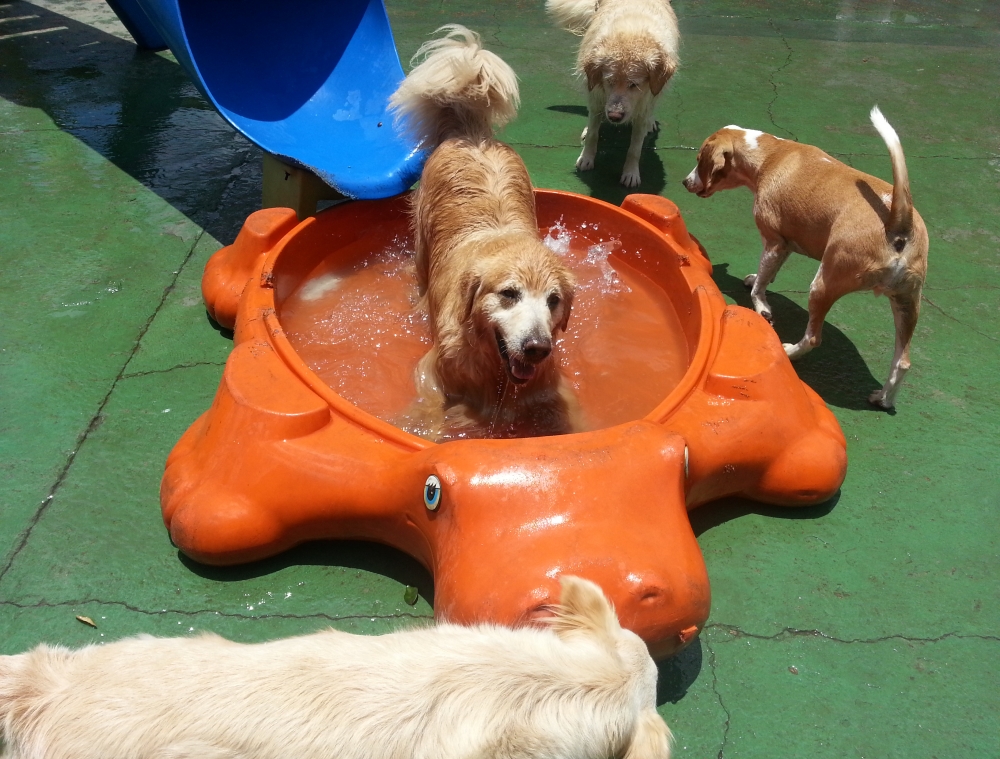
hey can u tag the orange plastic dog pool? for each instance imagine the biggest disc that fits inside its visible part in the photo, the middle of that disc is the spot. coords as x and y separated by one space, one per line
281 458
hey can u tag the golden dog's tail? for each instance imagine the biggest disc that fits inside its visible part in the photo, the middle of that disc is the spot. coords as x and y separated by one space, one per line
900 226
572 15
458 89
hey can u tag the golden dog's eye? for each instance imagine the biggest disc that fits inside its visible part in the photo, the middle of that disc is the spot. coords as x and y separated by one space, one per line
510 294
554 302
633 86
432 492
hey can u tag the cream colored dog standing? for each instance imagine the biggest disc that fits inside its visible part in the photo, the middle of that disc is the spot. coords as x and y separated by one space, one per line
627 55
582 689
865 232
495 295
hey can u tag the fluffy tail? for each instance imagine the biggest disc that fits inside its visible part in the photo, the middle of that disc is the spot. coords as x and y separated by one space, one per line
651 738
572 15
457 90
900 226
584 609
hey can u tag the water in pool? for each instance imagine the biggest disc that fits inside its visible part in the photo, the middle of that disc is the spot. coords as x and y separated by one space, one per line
362 332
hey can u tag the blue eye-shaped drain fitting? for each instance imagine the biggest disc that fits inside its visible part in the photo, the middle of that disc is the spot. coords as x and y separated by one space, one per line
432 492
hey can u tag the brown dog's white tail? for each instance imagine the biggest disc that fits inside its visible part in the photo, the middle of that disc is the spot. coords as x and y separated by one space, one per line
572 15
459 89
900 226
584 609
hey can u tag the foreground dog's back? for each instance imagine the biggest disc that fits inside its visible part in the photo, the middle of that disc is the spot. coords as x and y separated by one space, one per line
582 690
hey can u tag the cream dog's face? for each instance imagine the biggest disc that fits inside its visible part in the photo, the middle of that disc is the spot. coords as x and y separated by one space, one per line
519 310
626 81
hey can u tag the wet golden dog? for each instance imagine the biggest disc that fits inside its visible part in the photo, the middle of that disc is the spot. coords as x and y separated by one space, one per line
628 54
865 233
495 295
583 689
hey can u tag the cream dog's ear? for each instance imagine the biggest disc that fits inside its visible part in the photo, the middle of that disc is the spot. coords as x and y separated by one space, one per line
651 738
584 609
594 71
659 72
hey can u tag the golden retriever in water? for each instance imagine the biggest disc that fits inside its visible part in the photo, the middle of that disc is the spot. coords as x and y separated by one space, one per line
495 295
628 54
582 689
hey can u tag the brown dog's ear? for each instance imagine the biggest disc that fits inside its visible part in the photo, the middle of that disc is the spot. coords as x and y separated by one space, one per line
594 72
659 72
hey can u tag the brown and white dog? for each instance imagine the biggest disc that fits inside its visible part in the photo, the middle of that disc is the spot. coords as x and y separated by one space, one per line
496 296
583 689
865 232
628 54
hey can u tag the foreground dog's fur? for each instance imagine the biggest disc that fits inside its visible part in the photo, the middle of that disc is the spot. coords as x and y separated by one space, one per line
583 689
865 232
628 54
495 295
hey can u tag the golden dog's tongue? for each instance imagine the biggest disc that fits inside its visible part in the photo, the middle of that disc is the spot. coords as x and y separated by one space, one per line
521 369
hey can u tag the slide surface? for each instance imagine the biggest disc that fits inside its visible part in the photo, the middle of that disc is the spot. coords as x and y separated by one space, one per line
309 82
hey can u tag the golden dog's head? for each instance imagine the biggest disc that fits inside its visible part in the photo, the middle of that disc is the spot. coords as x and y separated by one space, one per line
631 69
519 295
715 169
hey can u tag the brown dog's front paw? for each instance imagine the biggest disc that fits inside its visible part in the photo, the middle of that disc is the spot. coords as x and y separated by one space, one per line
749 279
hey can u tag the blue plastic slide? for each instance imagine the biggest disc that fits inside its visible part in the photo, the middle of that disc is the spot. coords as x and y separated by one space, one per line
307 80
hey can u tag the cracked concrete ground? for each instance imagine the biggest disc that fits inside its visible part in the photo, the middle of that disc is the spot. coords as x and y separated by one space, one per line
867 626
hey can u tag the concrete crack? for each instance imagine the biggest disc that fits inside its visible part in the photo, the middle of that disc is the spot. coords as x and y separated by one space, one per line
213 612
132 375
774 85
718 695
792 632
95 421
949 316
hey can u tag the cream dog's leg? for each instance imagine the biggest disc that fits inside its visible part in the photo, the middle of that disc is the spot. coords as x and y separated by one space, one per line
905 310
591 132
774 256
630 172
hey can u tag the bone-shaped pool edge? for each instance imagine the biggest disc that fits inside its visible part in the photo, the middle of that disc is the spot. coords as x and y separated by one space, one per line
280 459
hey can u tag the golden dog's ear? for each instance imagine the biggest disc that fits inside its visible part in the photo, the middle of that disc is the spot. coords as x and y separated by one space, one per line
660 71
594 72
567 303
470 288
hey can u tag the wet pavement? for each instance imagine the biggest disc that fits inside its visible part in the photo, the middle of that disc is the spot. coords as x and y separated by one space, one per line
868 626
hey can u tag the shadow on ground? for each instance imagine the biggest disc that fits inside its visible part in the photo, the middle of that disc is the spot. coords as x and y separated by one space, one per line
835 370
350 554
704 518
141 112
675 675
604 180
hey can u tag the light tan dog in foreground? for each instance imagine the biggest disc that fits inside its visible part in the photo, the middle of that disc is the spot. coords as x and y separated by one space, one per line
582 689
865 232
496 296
627 55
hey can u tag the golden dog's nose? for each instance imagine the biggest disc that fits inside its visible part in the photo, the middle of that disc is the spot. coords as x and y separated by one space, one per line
536 349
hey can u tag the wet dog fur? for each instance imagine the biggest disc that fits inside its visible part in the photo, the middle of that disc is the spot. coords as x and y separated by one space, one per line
627 56
577 687
495 295
865 233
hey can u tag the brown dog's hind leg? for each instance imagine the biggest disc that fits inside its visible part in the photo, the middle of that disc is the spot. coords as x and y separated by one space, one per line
821 297
905 310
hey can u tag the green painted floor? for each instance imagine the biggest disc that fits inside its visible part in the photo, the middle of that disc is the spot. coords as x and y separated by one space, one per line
866 627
